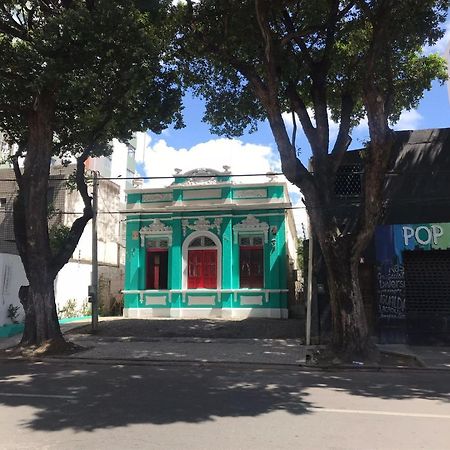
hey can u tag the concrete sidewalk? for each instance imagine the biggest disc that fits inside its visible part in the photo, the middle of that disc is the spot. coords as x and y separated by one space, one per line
289 352
436 357
14 340
179 349
242 351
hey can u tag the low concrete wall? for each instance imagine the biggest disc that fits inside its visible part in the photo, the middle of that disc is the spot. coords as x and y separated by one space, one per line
12 276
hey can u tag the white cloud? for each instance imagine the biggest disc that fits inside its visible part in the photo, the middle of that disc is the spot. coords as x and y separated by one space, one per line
409 120
160 160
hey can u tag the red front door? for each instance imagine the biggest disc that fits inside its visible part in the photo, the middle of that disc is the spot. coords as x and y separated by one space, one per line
202 269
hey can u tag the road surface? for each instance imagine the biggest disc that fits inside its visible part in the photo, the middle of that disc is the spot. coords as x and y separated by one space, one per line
180 406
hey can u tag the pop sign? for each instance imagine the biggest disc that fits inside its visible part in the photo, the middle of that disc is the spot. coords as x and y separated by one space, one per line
423 235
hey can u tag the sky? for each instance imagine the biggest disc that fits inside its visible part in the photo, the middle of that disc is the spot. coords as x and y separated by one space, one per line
194 146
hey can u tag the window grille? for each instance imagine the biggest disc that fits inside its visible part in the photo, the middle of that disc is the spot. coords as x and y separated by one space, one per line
251 241
348 181
202 241
157 243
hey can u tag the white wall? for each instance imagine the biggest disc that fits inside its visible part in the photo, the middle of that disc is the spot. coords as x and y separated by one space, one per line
74 279
12 276
72 283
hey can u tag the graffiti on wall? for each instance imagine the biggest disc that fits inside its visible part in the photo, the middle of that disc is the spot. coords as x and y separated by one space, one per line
390 243
391 292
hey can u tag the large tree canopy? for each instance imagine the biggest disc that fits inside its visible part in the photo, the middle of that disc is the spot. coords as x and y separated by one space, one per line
74 75
345 59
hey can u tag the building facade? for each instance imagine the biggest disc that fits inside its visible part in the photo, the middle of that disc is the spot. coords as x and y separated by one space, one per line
71 283
405 271
413 282
208 247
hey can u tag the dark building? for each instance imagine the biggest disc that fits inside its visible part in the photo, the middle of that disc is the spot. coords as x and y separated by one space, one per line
405 272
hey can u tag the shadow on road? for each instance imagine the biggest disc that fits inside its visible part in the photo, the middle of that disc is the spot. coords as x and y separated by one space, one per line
89 397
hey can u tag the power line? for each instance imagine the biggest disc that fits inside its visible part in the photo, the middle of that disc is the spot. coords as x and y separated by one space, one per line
341 204
230 175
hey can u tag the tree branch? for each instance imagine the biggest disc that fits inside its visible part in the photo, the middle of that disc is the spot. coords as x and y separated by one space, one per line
365 8
270 58
343 139
302 112
294 130
19 217
13 32
15 162
297 38
66 251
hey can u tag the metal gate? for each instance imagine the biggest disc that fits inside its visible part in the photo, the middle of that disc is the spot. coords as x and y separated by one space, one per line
427 289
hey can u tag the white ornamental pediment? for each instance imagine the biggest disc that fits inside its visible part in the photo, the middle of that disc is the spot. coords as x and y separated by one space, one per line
201 224
157 228
251 225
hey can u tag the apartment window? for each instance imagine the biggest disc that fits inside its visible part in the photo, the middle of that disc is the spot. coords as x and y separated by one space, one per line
2 203
251 261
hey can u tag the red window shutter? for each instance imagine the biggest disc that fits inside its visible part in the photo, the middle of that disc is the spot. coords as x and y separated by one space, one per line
251 267
194 263
210 269
202 269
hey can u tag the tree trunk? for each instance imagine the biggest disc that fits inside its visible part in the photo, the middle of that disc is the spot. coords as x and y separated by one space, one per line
29 332
42 297
31 227
350 329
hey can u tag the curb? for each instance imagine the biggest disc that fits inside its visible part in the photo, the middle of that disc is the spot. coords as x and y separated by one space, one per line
83 338
406 355
221 363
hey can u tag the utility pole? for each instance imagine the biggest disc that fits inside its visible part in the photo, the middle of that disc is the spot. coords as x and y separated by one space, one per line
94 276
310 275
310 286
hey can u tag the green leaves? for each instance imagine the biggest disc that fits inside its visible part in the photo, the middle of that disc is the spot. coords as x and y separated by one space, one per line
322 47
104 61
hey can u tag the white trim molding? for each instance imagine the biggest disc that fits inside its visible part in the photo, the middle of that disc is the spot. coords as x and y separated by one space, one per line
202 194
157 197
198 300
250 193
212 312
157 228
251 225
152 300
201 224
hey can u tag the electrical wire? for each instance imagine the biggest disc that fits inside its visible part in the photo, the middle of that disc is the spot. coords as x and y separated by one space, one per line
342 204
230 175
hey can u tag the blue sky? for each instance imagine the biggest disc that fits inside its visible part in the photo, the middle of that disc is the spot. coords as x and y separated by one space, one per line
433 112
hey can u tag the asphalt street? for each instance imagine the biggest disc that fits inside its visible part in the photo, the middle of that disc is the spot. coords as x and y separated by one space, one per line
75 405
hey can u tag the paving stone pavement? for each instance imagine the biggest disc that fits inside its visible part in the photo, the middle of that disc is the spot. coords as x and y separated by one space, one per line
168 340
243 351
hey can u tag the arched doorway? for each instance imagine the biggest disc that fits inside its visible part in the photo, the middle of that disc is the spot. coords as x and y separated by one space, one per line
202 261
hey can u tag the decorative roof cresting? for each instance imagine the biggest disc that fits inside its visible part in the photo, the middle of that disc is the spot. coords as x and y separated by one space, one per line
201 175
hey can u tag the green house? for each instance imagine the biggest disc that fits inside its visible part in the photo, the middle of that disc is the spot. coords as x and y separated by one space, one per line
207 246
